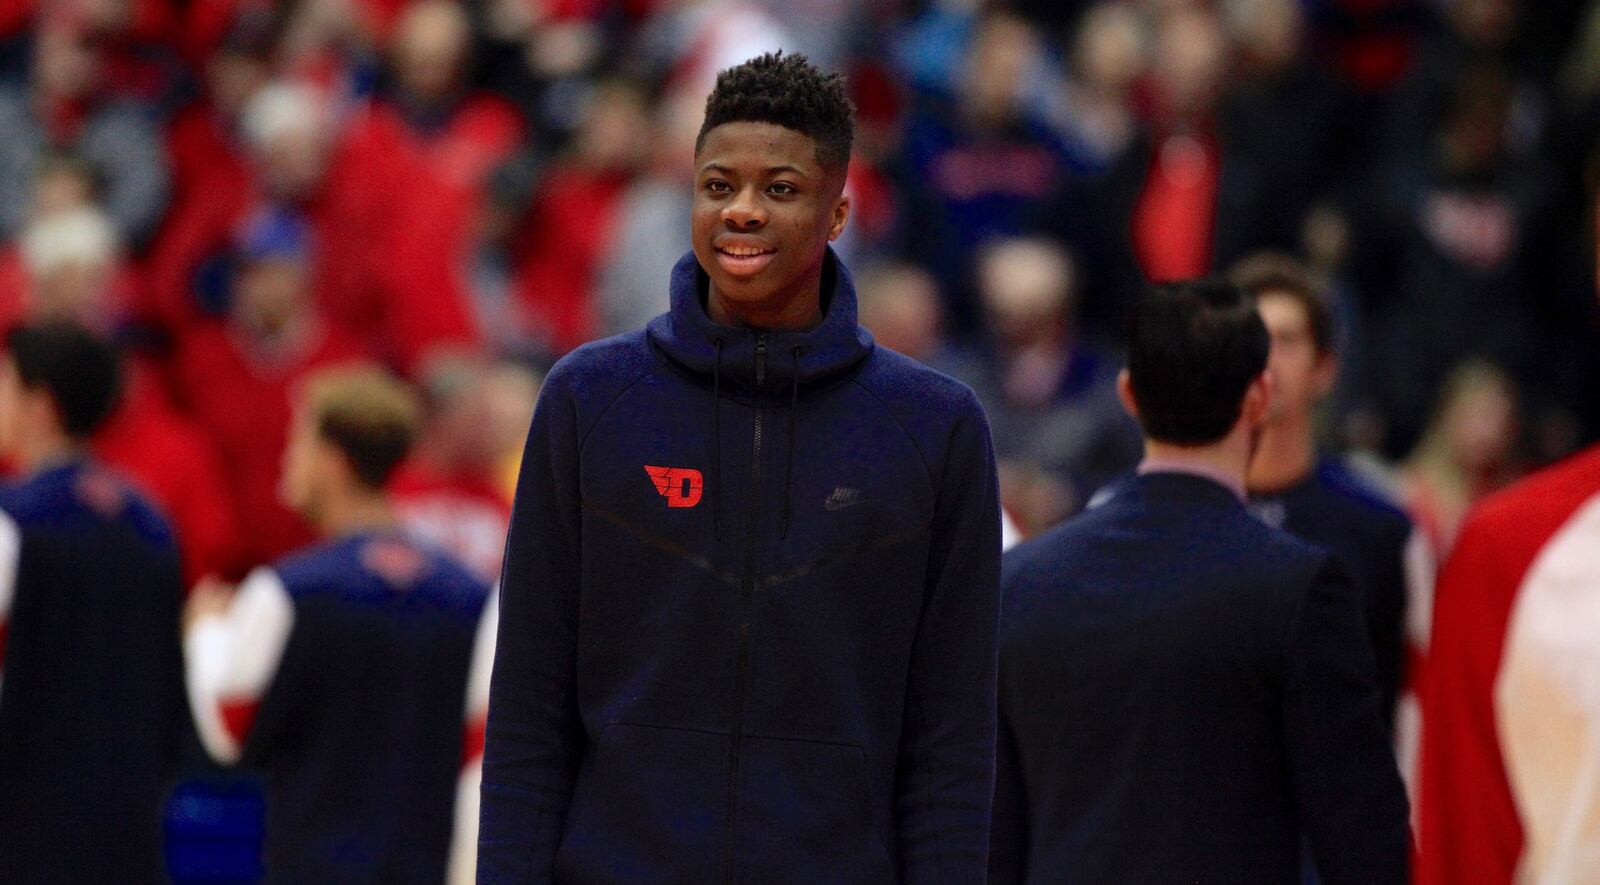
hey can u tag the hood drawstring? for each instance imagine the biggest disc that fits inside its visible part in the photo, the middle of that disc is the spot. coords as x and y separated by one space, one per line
716 443
788 472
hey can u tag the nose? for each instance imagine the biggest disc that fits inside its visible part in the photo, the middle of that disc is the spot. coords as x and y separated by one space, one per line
744 211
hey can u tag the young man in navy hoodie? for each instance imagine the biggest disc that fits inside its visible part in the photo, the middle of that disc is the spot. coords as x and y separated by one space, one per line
749 602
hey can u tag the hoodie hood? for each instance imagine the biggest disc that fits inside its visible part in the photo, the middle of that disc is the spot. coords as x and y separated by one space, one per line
690 338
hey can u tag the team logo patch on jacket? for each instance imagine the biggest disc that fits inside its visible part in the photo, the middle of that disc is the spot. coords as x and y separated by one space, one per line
681 486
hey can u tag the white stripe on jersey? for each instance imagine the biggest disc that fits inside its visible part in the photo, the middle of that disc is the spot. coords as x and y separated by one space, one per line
464 839
1547 704
230 658
10 552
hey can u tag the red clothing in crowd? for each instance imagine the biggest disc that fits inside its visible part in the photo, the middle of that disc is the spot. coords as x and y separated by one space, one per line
245 402
376 225
430 301
173 461
205 156
1510 762
561 251
465 515
1174 220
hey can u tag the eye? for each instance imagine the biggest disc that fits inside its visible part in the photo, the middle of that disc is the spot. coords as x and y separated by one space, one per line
717 186
782 189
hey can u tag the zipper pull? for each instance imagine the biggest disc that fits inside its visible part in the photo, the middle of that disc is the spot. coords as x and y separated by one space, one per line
761 359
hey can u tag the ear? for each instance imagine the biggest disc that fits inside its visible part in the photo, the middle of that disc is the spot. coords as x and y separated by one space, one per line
1258 399
841 214
1324 374
1125 393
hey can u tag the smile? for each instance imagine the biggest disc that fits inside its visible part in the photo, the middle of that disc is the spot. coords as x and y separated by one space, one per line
743 260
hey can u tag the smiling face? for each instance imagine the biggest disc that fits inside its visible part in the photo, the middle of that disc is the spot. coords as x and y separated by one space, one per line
765 209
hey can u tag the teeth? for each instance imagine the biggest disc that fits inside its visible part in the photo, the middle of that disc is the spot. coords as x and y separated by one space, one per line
744 253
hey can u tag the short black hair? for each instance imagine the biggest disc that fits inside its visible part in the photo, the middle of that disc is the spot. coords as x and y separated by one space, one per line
1274 273
787 90
81 372
1194 347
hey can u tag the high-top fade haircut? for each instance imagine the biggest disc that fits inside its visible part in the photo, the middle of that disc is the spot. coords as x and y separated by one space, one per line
787 90
1194 347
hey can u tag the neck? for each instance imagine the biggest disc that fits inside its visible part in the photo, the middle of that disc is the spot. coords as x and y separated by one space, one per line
1286 455
359 512
45 451
1226 460
798 310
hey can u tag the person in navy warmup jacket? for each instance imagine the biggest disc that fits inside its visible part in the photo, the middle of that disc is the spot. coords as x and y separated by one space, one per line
92 717
1184 691
340 672
748 613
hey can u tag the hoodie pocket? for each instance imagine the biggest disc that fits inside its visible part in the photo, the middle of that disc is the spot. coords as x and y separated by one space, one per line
650 808
805 815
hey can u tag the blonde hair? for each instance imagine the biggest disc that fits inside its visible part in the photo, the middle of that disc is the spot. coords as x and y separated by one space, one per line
367 413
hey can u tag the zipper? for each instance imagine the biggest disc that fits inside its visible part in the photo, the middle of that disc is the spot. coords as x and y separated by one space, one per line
747 595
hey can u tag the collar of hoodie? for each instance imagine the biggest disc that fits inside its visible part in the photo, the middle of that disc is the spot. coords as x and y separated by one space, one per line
763 363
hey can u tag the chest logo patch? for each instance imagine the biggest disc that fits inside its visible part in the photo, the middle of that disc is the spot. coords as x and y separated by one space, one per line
681 486
842 498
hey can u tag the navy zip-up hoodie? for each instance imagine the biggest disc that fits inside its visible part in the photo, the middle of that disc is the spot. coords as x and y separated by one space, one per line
749 613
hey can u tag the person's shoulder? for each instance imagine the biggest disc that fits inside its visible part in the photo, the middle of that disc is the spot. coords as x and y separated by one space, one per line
902 382
318 567
144 516
1539 502
602 367
1369 506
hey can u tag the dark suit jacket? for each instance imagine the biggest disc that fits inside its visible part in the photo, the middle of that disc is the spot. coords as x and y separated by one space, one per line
1184 691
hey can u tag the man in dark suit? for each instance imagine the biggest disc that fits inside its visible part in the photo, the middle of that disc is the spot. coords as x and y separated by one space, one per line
1185 691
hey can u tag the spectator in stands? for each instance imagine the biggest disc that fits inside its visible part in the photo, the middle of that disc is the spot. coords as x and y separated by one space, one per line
1049 393
341 671
1095 112
900 306
236 374
980 164
91 703
1460 221
451 138
214 177
64 107
651 235
1468 451
449 490
1288 118
1160 211
569 231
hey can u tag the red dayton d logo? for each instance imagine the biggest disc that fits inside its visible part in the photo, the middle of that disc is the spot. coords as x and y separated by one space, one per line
681 486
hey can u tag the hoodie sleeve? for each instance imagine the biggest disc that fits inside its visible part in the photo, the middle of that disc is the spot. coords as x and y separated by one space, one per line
534 736
945 779
1352 805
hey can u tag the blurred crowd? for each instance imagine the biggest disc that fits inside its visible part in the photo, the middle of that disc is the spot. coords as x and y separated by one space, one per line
241 191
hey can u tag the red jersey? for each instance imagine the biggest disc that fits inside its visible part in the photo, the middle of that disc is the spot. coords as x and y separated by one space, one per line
1510 762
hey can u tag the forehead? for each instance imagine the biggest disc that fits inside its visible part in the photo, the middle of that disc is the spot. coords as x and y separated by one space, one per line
1282 311
748 146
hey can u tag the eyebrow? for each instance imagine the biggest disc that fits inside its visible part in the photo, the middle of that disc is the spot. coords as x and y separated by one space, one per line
770 170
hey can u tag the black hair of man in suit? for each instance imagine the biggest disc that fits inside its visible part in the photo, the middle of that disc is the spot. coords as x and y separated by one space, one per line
1194 348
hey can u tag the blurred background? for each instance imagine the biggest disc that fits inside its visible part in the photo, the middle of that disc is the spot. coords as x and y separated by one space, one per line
242 190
